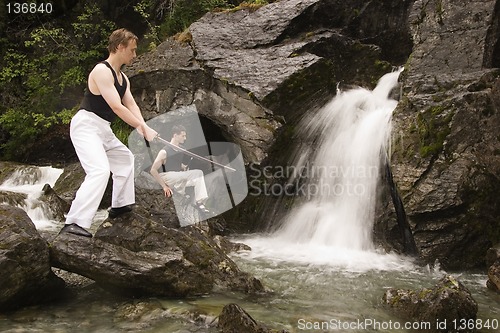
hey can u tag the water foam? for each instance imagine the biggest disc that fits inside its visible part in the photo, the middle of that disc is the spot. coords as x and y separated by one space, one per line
30 182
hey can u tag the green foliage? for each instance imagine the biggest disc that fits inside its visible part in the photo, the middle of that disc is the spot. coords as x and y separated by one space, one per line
145 8
177 15
42 80
122 130
26 126
250 5
184 12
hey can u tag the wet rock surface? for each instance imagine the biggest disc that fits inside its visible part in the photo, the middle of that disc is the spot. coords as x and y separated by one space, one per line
493 262
135 255
234 318
448 302
25 272
445 159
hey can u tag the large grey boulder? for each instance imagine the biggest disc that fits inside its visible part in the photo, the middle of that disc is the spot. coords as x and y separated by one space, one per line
7 169
25 272
493 282
448 302
169 78
150 197
133 254
493 262
234 319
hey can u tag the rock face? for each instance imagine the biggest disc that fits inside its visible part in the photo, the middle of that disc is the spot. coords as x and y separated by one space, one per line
234 319
25 273
169 78
70 180
246 62
493 282
135 255
449 300
446 160
493 262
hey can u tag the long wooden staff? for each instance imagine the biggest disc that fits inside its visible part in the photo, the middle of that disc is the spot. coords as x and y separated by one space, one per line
187 152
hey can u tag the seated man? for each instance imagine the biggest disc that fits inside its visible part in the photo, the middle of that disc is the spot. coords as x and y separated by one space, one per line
177 175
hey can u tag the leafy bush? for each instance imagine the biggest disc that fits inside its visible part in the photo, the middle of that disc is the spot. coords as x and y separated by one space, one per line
42 81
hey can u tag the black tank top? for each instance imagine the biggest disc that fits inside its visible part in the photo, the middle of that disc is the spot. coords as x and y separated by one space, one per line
97 104
174 159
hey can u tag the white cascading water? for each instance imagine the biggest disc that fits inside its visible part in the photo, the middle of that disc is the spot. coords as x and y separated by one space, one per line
354 130
30 181
335 223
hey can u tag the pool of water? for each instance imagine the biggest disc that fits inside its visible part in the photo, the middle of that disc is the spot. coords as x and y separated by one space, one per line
343 289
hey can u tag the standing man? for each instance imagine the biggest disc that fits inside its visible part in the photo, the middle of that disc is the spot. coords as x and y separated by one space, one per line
99 151
176 173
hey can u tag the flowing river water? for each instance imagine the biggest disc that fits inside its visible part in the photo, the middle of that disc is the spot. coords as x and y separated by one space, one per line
327 295
321 269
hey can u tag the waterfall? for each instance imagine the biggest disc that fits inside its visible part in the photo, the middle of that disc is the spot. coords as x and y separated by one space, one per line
351 134
338 168
23 189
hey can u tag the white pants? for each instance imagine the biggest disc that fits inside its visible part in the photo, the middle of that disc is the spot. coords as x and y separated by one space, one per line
100 153
180 179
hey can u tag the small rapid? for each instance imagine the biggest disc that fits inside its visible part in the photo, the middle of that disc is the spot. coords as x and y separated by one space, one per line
29 182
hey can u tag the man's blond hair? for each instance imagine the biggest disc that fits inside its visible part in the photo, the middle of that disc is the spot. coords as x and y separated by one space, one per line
120 37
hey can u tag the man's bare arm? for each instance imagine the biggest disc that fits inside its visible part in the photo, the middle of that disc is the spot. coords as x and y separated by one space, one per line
161 158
